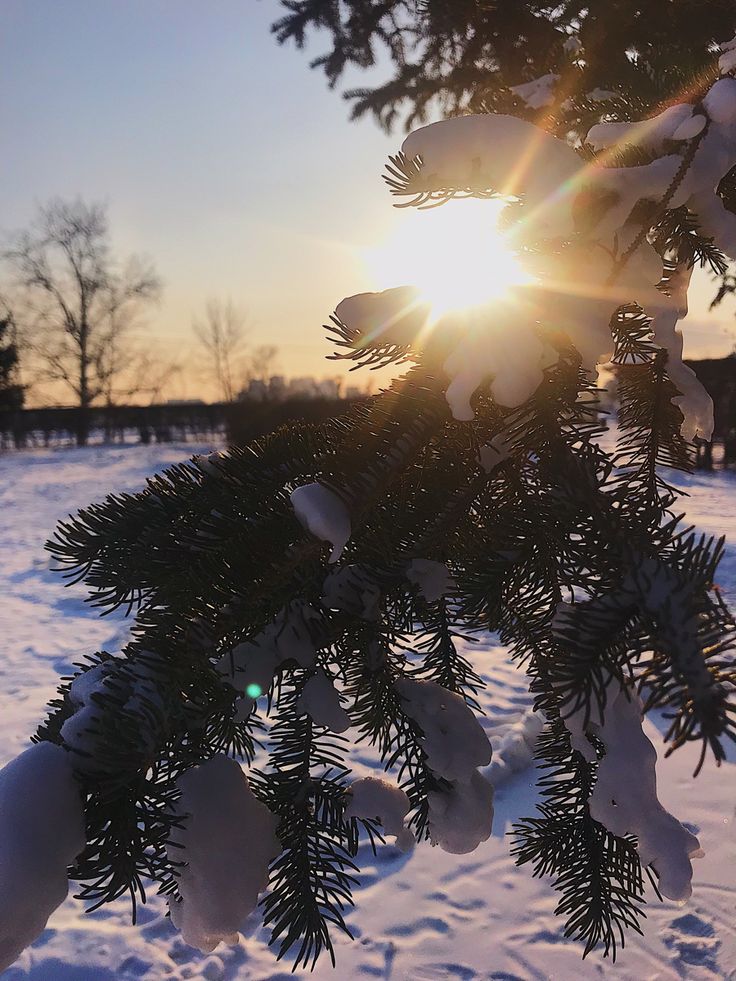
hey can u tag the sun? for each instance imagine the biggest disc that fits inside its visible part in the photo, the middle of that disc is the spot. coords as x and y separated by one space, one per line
456 255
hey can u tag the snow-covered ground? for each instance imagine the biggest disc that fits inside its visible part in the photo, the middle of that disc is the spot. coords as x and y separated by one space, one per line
425 916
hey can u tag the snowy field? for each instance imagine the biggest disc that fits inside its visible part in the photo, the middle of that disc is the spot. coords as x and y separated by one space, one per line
428 916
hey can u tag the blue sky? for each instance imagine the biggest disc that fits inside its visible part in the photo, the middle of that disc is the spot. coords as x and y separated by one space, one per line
220 154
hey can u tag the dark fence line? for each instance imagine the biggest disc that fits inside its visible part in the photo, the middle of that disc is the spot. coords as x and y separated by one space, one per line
234 422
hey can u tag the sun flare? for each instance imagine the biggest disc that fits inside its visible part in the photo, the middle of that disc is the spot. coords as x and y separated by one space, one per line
456 256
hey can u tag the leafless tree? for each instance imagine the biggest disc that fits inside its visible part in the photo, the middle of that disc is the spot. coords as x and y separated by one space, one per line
222 338
77 307
262 361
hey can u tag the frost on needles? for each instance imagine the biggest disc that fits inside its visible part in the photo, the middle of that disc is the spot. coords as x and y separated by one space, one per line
311 589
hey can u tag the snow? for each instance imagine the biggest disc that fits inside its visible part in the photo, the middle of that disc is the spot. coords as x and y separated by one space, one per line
625 800
453 739
515 370
228 840
484 151
565 199
432 579
690 128
600 95
80 730
372 797
395 315
651 134
349 589
720 101
727 62
426 916
460 818
319 699
323 514
250 667
291 633
515 752
539 92
591 206
42 832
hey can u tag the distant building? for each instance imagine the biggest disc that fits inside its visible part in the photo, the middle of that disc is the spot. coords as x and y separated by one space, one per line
255 391
279 389
329 388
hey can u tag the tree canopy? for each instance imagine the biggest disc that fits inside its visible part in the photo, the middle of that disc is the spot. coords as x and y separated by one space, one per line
451 56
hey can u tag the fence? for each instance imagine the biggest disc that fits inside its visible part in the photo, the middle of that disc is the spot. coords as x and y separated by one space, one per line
234 422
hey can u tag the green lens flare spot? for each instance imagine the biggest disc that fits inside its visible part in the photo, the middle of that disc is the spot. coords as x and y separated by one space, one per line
253 690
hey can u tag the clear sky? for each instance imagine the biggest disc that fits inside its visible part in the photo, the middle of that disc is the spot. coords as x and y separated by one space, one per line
220 155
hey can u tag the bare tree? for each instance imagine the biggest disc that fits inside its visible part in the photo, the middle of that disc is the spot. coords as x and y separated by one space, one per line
262 361
222 337
78 307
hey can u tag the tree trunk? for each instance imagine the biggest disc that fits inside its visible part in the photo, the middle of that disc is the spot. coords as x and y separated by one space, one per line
84 399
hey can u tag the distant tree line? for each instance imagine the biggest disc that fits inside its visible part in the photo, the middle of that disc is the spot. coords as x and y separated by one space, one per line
11 392
73 315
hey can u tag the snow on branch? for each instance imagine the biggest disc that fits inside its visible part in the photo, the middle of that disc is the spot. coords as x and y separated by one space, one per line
224 847
460 809
371 797
602 213
624 799
42 832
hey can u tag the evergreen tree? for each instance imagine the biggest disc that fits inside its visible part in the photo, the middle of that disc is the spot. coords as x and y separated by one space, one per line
451 56
11 394
322 578
564 66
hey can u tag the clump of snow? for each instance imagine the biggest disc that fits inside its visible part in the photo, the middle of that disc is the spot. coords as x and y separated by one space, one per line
42 831
371 797
573 45
78 731
250 667
453 739
432 579
516 750
461 817
515 370
292 633
690 128
539 92
727 60
624 799
600 95
597 209
395 316
651 134
323 514
351 590
136 694
227 840
319 700
484 151
720 104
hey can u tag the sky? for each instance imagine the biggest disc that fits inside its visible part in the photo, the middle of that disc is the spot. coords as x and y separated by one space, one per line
220 155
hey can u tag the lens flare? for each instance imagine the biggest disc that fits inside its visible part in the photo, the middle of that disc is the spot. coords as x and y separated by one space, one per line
253 690
455 255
